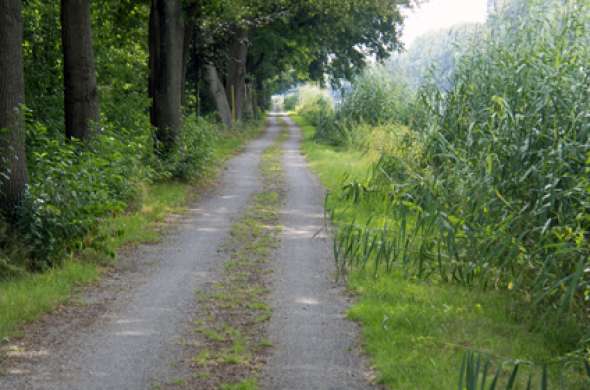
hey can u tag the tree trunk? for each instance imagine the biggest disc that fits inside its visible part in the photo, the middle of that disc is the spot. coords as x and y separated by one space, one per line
13 162
236 74
248 102
261 98
154 55
81 95
166 67
218 94
186 51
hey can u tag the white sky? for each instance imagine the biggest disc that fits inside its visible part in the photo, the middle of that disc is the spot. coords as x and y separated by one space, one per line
439 14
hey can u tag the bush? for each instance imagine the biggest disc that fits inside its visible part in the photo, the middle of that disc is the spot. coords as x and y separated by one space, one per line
194 149
73 185
13 254
290 102
314 104
374 99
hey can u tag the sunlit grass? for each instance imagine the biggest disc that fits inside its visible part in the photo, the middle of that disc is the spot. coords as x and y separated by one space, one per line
416 332
332 165
26 298
246 384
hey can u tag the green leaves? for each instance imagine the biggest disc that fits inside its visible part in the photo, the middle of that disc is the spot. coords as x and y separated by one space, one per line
493 190
72 187
476 369
193 151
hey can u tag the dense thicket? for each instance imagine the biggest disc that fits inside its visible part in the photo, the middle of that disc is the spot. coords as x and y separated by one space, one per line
490 187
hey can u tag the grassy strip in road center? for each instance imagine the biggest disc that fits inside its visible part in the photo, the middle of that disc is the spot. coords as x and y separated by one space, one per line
229 334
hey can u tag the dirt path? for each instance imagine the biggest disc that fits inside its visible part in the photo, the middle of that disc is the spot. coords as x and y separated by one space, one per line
315 347
132 330
132 341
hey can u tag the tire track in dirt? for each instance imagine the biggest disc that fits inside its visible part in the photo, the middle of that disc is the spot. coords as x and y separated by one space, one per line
315 346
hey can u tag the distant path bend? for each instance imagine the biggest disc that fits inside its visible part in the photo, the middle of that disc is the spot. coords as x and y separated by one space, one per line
315 346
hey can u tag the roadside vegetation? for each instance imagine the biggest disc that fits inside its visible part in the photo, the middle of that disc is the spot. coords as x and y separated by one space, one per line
111 112
417 330
24 296
461 209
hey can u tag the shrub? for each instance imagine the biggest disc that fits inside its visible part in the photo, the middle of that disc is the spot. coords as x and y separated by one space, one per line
194 149
13 254
375 98
73 185
290 102
314 104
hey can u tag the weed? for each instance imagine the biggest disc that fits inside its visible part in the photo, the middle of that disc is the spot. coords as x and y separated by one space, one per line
246 384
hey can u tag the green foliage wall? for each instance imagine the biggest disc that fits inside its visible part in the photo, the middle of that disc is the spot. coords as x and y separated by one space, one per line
496 194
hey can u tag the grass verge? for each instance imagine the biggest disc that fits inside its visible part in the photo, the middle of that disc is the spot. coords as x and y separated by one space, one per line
25 298
416 331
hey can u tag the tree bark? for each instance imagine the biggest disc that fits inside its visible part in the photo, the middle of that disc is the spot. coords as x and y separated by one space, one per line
236 73
248 104
166 67
154 55
261 98
13 162
80 91
218 94
186 51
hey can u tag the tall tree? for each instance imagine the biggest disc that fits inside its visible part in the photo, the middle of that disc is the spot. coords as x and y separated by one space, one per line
236 73
166 39
218 93
81 95
13 164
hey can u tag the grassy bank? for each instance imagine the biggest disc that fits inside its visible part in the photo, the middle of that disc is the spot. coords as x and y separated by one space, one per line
25 298
416 331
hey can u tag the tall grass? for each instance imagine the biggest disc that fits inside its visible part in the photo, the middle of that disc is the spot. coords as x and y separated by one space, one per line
376 98
496 192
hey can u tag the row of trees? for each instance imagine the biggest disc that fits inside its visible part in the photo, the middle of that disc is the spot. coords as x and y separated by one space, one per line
81 96
224 56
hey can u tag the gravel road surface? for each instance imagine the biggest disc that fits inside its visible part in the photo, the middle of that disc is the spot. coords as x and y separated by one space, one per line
126 332
133 342
315 346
